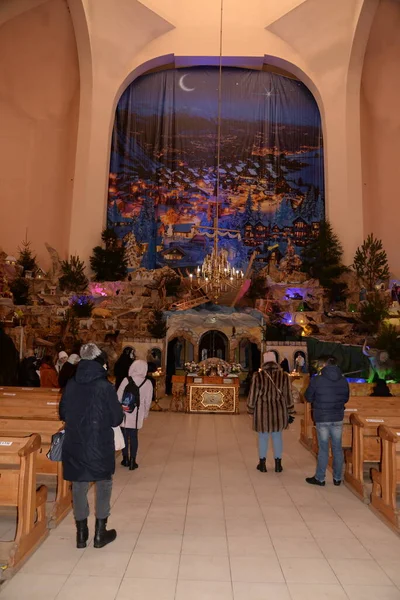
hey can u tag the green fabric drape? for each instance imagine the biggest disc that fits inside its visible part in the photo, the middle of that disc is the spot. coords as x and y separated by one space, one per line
350 358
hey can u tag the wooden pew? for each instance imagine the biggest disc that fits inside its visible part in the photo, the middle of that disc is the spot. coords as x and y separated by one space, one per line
23 413
366 447
44 466
18 489
354 405
28 390
33 403
385 481
21 408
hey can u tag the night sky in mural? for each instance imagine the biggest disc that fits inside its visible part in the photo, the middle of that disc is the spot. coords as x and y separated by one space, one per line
164 163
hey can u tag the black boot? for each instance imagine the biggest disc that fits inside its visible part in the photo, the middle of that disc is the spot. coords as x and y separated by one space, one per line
102 537
262 467
82 533
278 465
125 461
133 464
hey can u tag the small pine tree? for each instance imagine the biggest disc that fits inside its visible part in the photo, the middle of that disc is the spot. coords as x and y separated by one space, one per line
157 325
20 290
73 278
322 260
370 262
388 340
109 263
26 259
374 311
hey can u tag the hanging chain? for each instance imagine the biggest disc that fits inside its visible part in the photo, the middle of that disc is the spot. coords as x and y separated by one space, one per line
216 220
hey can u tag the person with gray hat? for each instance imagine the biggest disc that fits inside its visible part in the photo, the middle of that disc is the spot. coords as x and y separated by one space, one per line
271 406
90 409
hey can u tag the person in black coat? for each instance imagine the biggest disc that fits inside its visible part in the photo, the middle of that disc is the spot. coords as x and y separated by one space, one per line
9 359
68 370
121 367
28 371
328 393
90 409
381 389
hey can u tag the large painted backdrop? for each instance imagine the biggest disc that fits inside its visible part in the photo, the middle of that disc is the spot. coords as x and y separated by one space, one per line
162 192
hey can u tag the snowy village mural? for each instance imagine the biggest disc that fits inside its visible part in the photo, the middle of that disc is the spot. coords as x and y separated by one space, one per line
162 192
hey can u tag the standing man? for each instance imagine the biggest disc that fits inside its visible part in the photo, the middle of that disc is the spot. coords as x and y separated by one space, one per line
328 393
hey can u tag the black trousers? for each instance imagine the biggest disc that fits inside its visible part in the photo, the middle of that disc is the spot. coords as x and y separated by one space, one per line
131 442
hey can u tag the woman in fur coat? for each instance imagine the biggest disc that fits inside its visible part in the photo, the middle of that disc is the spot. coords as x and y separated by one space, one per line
271 405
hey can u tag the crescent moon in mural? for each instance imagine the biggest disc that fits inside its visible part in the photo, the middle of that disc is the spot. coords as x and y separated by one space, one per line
183 86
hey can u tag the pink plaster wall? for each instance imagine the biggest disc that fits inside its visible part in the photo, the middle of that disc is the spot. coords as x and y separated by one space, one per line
380 130
39 102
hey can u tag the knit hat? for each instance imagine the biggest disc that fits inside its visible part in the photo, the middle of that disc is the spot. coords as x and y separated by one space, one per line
269 357
74 359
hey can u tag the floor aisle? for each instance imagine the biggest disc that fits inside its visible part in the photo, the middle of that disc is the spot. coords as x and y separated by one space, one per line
198 522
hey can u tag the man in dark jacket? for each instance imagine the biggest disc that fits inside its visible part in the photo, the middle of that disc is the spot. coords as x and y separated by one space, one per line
90 409
328 393
28 371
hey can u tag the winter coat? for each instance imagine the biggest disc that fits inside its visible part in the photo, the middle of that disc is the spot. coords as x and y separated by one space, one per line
328 393
270 399
90 408
68 370
9 360
138 372
48 376
28 376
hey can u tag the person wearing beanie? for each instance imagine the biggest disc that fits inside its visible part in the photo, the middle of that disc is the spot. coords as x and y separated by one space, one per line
90 409
270 404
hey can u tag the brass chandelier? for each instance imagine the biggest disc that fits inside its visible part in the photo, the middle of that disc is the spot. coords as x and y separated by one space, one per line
216 275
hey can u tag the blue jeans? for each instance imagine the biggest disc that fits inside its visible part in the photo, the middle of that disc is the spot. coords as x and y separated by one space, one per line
325 432
263 439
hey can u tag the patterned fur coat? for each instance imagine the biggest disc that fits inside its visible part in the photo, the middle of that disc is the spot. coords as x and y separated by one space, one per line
270 399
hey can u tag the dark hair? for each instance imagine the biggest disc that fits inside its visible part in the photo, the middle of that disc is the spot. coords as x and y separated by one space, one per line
331 360
127 350
102 358
327 360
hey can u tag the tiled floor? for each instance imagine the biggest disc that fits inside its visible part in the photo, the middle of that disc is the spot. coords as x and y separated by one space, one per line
198 522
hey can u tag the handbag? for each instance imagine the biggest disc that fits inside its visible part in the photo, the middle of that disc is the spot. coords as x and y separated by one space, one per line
119 440
55 452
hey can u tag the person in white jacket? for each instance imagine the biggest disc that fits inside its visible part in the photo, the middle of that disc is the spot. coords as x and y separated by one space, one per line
133 421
